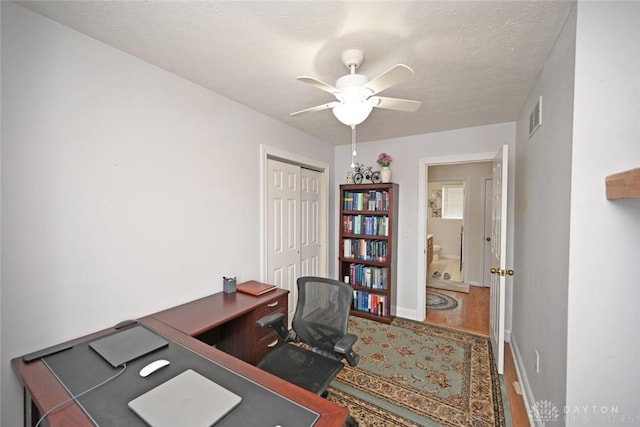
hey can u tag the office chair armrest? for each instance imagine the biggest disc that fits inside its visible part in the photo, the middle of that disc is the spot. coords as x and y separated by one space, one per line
276 321
344 347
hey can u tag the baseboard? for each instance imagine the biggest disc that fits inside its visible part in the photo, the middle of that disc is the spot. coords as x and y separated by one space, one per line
476 284
524 382
408 314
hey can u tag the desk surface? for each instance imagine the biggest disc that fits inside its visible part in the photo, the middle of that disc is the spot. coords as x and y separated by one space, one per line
204 314
46 392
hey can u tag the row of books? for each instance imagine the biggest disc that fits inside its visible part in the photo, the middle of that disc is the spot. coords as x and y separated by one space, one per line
360 224
369 303
368 277
366 201
367 250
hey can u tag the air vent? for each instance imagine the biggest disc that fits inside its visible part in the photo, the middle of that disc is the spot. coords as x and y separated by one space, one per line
535 118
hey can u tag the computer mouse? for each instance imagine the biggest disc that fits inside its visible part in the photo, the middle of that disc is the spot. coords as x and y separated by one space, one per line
152 367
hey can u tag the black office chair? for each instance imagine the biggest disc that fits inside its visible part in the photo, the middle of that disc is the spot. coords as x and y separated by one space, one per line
320 320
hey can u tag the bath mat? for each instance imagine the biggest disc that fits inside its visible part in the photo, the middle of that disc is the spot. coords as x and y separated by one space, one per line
438 301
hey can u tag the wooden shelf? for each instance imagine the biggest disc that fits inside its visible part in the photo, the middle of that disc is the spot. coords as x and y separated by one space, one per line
369 301
624 185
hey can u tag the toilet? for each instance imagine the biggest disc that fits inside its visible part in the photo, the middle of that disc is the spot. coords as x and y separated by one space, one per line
436 252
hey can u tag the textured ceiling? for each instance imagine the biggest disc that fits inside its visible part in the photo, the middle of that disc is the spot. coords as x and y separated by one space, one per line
475 62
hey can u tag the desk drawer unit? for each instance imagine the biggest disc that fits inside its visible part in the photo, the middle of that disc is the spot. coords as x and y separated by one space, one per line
267 338
244 339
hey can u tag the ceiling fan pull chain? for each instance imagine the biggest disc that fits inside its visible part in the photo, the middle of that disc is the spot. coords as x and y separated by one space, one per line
353 146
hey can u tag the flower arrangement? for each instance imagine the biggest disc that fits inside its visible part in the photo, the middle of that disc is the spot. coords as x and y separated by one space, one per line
384 159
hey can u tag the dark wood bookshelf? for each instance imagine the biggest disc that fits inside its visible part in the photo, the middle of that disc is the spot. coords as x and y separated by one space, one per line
369 223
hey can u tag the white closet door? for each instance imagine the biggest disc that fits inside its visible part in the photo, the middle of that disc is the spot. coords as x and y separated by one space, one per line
283 228
310 223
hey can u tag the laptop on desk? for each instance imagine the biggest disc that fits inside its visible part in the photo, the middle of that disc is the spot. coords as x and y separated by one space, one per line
187 400
127 345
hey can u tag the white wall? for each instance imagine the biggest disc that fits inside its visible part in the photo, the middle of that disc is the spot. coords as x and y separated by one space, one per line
603 354
542 202
575 292
406 153
125 189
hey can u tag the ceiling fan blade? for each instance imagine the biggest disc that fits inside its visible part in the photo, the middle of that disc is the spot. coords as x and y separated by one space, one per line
392 76
319 84
397 104
316 108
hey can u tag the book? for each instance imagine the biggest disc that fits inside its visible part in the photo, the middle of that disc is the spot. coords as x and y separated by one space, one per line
255 288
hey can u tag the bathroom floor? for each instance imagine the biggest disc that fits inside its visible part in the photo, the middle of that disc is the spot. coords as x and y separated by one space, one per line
445 265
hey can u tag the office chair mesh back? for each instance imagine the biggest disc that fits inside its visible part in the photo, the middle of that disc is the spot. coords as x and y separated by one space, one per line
322 313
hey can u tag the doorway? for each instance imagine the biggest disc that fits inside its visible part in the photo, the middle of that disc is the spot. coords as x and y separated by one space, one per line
455 224
425 164
448 212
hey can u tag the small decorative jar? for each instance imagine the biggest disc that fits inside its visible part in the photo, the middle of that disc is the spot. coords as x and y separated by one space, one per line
385 174
228 285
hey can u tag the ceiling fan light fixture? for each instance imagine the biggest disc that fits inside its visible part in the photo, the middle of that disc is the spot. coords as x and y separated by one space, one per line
356 95
352 113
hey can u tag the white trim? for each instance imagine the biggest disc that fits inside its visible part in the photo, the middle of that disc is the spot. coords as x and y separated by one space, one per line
527 395
423 166
267 152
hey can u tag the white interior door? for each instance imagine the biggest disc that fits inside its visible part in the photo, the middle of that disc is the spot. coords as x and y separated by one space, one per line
487 256
283 228
498 249
310 244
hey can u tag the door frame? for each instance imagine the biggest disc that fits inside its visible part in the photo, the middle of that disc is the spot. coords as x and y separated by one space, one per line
268 152
423 167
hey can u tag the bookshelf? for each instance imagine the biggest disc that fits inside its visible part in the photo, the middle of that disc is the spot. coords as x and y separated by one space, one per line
368 246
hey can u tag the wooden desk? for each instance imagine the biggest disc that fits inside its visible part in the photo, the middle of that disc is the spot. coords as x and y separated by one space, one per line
228 321
190 324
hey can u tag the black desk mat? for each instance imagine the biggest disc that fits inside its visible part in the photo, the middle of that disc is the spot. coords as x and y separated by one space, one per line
80 368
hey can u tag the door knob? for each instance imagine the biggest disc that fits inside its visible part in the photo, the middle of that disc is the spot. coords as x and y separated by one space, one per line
488 239
502 272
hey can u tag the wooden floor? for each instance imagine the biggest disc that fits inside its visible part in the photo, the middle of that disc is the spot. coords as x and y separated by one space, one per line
472 315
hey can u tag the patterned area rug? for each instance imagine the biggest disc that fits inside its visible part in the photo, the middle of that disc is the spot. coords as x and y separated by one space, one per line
438 301
416 374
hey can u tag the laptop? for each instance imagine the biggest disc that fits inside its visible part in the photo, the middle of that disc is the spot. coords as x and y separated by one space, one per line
187 400
127 345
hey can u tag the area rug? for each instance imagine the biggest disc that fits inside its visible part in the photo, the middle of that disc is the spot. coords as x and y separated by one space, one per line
449 285
417 374
438 301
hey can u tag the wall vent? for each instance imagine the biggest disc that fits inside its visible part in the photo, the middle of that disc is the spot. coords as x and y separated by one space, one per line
535 118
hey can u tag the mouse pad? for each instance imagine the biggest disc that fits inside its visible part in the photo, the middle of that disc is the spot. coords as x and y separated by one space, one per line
80 368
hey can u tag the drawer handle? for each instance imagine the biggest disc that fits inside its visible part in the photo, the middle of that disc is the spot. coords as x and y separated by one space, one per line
273 344
273 304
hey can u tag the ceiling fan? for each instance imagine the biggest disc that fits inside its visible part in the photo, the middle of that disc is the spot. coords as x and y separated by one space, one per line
356 95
